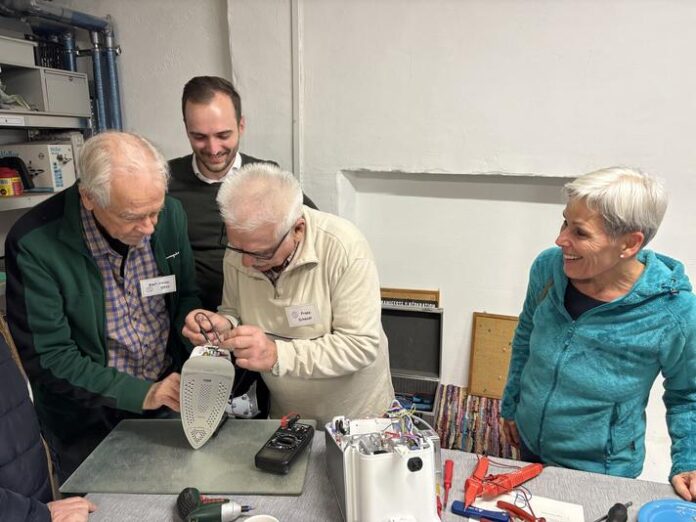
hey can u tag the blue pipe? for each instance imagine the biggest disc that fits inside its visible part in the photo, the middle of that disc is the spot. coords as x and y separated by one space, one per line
69 43
112 77
98 82
61 14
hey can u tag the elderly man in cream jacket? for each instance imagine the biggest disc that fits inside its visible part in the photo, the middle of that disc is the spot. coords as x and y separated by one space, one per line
301 301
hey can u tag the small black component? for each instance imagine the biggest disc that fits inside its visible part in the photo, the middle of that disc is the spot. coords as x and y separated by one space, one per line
415 464
284 446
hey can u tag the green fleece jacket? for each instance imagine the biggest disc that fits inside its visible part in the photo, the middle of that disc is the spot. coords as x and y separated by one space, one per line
56 314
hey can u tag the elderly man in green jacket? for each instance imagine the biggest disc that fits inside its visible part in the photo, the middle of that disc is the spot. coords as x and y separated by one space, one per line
100 278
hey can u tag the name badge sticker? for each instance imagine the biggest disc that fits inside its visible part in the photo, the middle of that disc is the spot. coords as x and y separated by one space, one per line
158 286
301 315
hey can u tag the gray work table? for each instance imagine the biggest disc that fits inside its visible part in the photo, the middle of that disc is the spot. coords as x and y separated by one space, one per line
597 493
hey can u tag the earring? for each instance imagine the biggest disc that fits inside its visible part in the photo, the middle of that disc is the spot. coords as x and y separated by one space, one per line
621 256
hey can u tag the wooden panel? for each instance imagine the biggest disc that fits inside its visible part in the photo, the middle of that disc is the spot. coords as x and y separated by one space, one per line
406 297
491 347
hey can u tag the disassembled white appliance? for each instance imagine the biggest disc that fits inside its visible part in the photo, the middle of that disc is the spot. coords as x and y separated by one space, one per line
384 469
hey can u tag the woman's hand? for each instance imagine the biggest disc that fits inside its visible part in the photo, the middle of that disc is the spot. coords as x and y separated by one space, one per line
685 485
510 432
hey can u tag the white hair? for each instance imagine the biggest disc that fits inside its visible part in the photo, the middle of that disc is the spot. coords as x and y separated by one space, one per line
103 153
627 199
260 194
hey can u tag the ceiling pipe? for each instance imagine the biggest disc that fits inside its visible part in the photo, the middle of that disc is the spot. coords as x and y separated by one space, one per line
56 13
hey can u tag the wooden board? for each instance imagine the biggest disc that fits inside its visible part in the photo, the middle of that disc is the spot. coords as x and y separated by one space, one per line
491 347
406 297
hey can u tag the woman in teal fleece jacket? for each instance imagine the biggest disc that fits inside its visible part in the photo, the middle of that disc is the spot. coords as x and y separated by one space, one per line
601 319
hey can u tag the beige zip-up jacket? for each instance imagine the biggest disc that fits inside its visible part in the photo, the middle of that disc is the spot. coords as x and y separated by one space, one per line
337 362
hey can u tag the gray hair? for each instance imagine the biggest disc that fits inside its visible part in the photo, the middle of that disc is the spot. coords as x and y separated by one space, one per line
126 151
260 194
627 199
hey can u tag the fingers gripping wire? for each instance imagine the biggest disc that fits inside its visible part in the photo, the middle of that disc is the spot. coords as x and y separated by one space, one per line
212 329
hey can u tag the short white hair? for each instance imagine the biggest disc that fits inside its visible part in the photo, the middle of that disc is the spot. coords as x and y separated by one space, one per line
260 194
627 199
127 151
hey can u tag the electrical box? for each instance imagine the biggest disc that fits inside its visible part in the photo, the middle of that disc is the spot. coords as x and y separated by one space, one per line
16 51
415 354
49 90
50 165
383 469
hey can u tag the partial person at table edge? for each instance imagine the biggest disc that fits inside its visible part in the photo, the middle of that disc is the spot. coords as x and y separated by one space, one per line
603 316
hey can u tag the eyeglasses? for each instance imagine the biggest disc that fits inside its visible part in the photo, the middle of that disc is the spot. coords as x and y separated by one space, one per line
261 257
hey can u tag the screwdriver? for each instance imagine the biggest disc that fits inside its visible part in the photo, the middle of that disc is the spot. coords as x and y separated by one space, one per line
449 469
617 513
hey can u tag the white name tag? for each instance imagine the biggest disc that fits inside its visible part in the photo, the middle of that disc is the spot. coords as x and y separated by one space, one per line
301 315
158 285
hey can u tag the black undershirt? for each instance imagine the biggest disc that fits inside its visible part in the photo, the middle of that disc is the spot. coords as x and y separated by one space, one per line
577 303
119 247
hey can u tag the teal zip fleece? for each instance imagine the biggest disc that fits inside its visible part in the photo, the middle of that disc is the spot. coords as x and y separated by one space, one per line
578 389
56 313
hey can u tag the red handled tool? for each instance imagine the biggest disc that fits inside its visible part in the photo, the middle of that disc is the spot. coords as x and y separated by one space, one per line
473 487
518 512
481 485
449 470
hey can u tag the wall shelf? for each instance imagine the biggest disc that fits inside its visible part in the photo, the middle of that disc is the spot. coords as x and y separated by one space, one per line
42 120
23 201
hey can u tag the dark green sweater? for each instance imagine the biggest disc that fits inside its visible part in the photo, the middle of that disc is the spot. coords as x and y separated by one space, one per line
56 314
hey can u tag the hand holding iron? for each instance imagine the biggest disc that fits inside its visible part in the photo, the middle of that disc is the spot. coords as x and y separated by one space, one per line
164 393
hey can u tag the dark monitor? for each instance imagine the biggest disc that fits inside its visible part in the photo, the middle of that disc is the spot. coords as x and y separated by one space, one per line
415 340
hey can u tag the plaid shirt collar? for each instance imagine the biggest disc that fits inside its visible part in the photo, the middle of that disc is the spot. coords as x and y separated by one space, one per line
97 244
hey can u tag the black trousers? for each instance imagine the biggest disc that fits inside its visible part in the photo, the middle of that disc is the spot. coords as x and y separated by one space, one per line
527 455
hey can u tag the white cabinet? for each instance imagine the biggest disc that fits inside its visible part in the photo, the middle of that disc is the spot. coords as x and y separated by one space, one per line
50 91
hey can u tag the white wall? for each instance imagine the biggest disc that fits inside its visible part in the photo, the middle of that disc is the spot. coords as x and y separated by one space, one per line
164 44
535 87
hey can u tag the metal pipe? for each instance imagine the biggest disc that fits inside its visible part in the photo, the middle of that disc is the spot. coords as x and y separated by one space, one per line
112 79
98 82
69 51
60 14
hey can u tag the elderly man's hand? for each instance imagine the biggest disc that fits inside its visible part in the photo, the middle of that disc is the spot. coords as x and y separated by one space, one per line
73 509
164 393
192 328
685 485
252 348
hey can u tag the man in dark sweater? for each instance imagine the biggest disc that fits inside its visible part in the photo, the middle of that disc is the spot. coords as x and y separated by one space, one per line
212 110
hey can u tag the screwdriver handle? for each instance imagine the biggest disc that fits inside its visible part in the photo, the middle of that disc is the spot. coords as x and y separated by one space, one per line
449 469
618 512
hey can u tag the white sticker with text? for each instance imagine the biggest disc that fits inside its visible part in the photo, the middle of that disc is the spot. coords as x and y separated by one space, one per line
302 315
158 285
